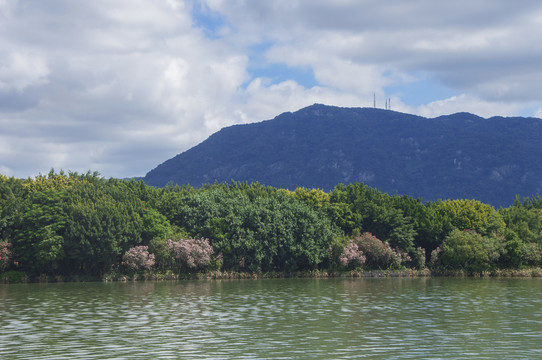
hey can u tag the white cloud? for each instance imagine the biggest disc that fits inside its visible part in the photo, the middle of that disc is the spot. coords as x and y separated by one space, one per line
469 47
465 103
144 87
20 71
268 100
121 86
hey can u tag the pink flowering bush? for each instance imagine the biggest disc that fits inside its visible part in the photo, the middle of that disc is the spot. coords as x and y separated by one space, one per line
352 256
379 254
138 258
194 254
5 255
400 256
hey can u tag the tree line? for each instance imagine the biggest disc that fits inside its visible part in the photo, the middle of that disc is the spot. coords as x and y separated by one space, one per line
83 224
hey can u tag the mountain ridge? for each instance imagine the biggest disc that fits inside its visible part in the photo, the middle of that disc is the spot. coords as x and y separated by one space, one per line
460 155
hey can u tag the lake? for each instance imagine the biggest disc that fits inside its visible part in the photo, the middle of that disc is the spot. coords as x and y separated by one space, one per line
336 318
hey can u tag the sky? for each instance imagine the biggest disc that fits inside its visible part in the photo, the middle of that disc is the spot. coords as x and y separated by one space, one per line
118 87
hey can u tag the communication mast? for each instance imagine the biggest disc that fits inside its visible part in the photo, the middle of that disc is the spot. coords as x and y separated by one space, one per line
388 104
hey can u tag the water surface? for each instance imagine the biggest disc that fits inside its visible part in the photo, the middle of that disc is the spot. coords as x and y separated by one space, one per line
392 318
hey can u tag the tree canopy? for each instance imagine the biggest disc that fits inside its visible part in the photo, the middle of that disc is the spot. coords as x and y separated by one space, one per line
83 224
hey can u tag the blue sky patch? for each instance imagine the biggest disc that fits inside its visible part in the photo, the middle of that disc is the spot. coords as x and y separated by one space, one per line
208 20
278 73
259 66
420 92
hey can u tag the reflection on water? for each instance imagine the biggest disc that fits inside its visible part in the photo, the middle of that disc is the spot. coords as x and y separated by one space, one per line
276 318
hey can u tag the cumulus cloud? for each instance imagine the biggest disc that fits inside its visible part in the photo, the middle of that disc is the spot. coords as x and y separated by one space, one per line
486 48
130 85
21 71
119 87
465 103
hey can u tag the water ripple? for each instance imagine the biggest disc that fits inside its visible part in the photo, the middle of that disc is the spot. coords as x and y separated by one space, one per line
280 319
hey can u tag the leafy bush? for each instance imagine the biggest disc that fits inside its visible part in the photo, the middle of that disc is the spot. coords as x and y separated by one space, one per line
194 254
352 256
379 254
138 258
418 258
164 259
434 260
468 250
532 254
5 254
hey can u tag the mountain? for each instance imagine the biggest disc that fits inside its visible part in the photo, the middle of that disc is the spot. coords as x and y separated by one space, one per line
456 156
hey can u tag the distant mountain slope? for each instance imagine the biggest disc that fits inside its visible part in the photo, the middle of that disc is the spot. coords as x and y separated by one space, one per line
456 156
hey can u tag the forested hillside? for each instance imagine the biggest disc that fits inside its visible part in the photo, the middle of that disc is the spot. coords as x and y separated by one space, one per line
449 157
83 225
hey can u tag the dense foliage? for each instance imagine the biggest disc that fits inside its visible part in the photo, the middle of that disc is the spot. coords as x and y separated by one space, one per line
85 225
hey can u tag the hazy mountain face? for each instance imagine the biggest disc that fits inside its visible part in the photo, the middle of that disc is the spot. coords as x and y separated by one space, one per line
456 156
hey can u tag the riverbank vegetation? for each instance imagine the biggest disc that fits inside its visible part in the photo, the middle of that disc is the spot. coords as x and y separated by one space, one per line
82 226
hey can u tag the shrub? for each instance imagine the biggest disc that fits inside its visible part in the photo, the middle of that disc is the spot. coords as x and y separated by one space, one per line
532 254
401 257
513 246
164 259
138 258
468 250
192 253
434 260
418 258
378 254
5 255
352 256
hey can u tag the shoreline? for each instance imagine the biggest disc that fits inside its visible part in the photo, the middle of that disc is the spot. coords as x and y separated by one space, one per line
6 278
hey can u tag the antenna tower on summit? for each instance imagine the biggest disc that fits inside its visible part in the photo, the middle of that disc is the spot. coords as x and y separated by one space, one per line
374 100
388 104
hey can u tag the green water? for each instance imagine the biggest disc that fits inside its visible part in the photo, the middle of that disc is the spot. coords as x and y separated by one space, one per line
393 318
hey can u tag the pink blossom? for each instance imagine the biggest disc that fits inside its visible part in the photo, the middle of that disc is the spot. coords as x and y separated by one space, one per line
378 253
5 254
139 258
193 253
352 255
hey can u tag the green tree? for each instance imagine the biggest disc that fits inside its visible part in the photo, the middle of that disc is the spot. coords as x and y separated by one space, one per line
469 215
39 243
469 250
255 230
357 206
13 204
155 225
313 197
525 220
103 221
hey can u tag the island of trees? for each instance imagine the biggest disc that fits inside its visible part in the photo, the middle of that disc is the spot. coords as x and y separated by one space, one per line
83 226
